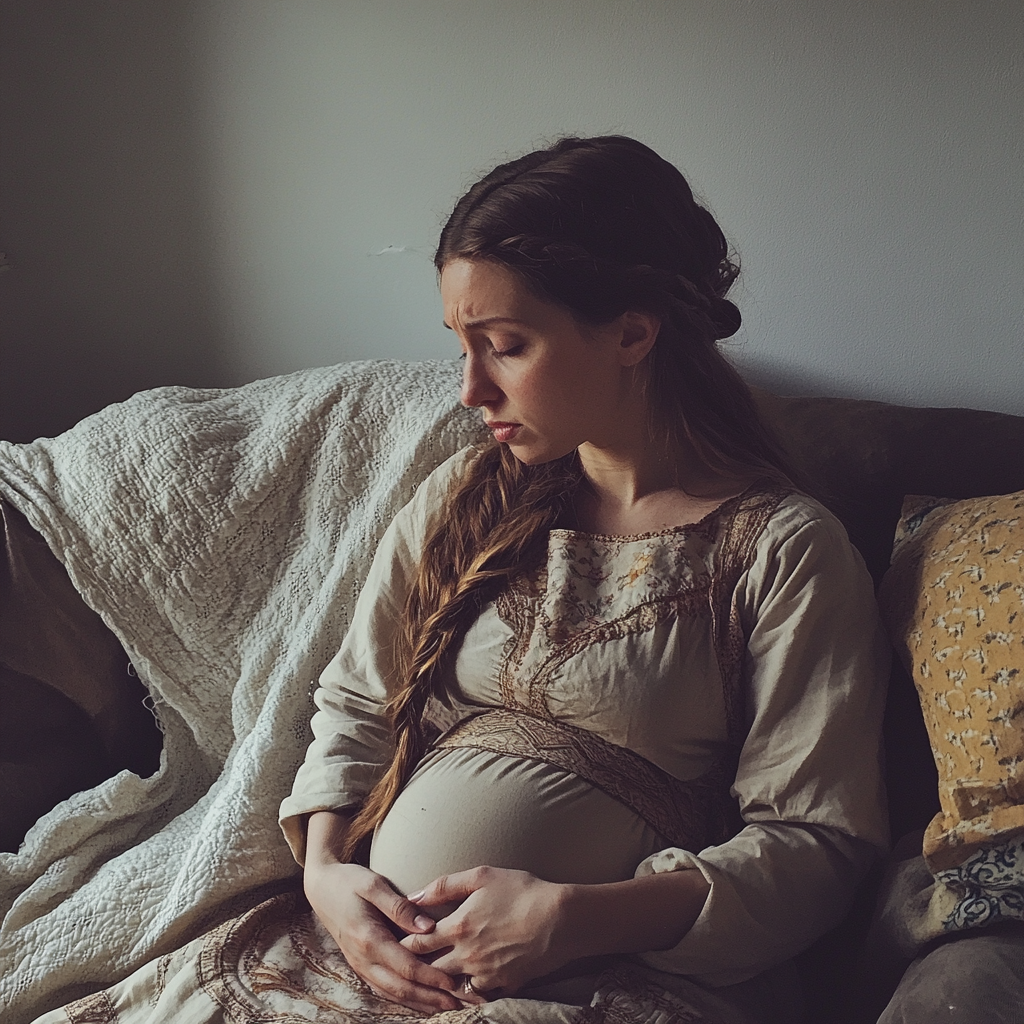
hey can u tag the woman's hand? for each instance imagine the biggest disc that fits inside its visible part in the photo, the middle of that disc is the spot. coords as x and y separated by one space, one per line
509 928
358 908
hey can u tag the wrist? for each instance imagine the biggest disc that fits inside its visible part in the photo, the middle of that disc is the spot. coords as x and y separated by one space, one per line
568 912
634 916
325 837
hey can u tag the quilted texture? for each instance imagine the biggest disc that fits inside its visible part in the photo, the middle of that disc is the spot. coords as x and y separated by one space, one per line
222 535
952 600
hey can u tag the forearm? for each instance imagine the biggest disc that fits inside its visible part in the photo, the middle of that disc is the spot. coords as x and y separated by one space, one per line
777 887
325 836
634 916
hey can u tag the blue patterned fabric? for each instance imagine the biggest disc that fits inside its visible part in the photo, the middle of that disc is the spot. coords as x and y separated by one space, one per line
989 886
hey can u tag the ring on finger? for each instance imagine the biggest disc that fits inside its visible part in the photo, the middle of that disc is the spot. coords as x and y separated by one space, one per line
468 987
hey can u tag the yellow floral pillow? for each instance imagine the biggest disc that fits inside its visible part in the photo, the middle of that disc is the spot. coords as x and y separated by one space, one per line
953 601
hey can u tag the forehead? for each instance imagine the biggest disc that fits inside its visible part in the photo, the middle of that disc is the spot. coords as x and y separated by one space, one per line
474 290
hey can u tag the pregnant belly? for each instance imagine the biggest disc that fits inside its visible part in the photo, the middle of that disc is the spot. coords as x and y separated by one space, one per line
465 807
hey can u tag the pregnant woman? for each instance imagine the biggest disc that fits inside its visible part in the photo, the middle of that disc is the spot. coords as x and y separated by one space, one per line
613 686
602 742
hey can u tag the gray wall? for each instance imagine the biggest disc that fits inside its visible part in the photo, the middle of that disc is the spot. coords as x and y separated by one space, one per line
209 192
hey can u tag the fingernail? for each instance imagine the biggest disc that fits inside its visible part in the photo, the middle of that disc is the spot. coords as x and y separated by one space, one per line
414 896
423 922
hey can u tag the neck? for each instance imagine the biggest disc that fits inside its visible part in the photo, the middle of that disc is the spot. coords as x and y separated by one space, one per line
627 472
634 491
632 475
628 464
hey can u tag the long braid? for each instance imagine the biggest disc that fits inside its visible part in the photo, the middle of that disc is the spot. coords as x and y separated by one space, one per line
495 526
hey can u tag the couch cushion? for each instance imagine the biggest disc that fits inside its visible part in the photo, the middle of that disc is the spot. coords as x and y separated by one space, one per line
860 458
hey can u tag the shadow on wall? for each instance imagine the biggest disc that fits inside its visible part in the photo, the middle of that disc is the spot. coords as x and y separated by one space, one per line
797 381
783 379
105 212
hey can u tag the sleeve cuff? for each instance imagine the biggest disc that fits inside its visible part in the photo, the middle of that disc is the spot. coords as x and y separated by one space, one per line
294 815
712 941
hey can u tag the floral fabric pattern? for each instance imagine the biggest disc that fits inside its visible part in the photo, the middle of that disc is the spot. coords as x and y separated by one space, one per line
953 603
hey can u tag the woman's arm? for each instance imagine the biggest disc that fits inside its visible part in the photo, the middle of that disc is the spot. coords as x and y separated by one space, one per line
351 737
634 916
358 907
351 744
809 780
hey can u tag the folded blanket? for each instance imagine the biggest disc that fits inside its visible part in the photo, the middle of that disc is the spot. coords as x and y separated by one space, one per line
223 535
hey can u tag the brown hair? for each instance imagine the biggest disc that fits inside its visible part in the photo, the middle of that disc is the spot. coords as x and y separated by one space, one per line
599 226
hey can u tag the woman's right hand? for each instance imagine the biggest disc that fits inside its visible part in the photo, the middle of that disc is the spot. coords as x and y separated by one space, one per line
356 905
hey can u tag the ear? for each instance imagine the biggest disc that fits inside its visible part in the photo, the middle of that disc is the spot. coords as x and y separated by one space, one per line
639 333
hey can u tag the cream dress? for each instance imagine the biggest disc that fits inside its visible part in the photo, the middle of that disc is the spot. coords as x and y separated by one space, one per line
708 697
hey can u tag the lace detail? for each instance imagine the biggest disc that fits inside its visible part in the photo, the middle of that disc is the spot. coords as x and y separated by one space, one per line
691 815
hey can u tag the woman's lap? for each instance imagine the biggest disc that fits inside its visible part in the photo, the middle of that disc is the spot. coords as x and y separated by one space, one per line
277 963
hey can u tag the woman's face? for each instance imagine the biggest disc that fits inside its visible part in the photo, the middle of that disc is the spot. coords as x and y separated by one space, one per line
545 384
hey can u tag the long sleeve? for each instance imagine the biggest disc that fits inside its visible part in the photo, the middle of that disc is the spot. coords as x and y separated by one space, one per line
351 740
809 780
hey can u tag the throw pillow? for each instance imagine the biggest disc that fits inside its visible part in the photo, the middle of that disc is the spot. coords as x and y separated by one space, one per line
952 601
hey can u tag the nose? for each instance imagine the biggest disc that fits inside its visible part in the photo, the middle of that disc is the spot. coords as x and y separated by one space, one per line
477 387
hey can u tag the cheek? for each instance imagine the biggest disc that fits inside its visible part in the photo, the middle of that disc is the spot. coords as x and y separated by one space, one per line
552 399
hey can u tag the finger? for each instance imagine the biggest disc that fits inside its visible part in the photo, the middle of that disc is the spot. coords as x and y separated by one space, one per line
484 985
395 907
420 998
403 965
423 945
452 888
413 1003
375 949
404 979
451 964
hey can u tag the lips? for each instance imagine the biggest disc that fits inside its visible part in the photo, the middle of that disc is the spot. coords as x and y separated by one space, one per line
503 432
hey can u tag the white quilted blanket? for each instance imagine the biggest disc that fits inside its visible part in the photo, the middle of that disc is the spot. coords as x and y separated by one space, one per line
223 535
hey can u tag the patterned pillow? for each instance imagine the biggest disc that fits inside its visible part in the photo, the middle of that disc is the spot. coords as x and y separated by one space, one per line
952 601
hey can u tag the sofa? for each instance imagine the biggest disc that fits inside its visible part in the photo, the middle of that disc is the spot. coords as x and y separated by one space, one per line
89 708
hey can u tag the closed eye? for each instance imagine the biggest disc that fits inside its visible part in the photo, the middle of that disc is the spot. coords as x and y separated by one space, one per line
514 350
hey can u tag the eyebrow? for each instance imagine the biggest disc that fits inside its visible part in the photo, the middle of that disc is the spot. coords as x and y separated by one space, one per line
487 321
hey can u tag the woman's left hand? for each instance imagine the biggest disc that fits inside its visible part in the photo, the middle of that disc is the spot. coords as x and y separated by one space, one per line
509 928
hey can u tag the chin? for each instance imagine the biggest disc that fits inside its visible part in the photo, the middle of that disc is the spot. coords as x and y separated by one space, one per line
531 456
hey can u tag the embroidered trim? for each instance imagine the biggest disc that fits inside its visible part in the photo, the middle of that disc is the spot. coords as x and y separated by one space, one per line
94 1009
722 546
740 532
624 996
237 943
517 608
691 815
